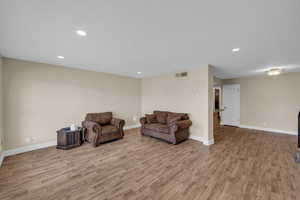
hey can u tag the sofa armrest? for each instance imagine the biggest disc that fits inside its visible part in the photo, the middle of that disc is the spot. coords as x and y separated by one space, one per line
92 126
93 131
119 123
143 121
184 124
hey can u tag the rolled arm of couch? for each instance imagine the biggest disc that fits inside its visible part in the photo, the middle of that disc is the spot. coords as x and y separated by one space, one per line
184 124
119 123
93 131
143 121
92 126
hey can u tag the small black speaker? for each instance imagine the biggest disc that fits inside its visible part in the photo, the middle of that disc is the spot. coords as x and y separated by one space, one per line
299 131
298 151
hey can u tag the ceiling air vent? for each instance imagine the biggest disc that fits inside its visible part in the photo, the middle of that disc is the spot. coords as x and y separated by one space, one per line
181 74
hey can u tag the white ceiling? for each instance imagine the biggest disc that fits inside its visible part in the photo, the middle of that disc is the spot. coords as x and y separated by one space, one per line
154 36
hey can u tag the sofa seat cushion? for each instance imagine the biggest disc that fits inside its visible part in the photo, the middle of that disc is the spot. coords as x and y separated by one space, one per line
108 129
162 128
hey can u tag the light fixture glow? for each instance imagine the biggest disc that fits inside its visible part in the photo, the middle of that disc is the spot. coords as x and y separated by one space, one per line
274 71
81 33
139 72
60 57
236 50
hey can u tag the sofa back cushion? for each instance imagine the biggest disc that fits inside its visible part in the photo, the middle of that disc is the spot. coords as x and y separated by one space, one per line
151 119
161 116
171 120
101 118
181 116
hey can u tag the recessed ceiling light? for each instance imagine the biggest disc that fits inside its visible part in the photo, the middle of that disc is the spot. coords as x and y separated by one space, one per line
60 57
139 72
81 33
274 71
236 50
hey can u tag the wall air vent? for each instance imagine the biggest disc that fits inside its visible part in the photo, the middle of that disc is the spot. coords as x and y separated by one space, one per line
181 74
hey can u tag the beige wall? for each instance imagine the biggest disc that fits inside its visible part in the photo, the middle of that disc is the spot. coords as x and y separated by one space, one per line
270 102
41 98
217 82
1 107
192 95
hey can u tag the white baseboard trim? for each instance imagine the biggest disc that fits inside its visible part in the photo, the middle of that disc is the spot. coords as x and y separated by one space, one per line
132 126
268 130
200 139
193 137
208 142
11 152
1 158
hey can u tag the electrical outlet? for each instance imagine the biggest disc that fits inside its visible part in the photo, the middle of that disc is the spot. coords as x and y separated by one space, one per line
264 123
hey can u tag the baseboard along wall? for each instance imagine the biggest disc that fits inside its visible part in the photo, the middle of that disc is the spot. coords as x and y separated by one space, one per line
24 149
11 152
132 126
264 129
204 141
268 130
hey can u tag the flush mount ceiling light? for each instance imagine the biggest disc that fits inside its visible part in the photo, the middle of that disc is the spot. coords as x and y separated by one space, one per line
60 57
274 71
235 50
139 72
81 33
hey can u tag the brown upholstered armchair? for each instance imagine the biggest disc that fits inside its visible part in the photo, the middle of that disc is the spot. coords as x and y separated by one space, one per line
102 127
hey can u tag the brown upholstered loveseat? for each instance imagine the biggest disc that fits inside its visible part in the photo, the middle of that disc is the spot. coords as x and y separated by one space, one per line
102 127
169 126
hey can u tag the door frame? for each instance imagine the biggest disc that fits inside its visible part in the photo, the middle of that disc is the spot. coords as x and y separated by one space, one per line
220 96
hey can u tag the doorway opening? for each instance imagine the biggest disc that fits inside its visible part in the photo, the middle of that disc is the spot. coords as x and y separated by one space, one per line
217 107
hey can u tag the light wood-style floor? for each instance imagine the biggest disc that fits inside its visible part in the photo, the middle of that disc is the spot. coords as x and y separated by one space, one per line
243 164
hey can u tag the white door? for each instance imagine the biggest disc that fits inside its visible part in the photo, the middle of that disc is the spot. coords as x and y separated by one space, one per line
231 105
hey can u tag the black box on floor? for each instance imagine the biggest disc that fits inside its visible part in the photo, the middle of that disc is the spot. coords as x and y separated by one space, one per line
67 139
298 152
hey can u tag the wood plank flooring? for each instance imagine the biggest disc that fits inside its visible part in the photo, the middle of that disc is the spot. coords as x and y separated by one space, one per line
243 164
